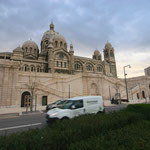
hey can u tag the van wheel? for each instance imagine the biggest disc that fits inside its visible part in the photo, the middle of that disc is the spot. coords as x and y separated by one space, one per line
99 112
64 118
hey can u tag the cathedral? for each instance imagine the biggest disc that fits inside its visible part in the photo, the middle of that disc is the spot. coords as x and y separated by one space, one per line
54 57
54 72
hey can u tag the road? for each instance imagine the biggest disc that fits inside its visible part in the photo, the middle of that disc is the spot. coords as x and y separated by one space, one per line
25 122
21 123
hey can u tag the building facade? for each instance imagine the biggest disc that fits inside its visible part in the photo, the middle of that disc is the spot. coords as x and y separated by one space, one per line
53 72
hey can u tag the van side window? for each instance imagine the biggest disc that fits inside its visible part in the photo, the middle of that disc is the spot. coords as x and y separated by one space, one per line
78 104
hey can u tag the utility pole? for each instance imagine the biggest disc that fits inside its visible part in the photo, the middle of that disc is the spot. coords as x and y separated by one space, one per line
69 90
109 93
126 81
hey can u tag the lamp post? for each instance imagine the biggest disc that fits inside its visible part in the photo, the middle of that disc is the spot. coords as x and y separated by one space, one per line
126 81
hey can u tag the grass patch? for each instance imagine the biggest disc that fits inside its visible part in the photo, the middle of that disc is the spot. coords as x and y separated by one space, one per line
123 130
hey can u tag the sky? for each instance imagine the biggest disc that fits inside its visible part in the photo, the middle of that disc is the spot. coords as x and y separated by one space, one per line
87 24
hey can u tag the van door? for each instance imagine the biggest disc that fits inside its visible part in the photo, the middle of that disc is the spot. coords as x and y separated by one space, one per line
78 108
92 105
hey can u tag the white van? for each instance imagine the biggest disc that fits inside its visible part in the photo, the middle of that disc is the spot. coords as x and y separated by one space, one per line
76 106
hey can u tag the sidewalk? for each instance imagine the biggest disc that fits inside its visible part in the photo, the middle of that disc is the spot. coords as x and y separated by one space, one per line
108 103
16 111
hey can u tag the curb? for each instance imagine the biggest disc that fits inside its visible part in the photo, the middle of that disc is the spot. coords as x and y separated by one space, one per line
2 116
31 113
7 115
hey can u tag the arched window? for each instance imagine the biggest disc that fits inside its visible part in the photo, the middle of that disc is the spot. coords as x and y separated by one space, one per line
138 96
38 69
94 57
57 63
99 69
78 66
65 64
143 94
61 64
106 54
89 67
56 43
32 68
30 49
26 49
65 46
35 51
26 68
61 44
111 53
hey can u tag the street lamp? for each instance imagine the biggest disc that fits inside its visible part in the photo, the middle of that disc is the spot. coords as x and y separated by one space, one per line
126 81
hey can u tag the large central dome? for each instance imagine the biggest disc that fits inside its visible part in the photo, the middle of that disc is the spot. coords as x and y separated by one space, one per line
57 39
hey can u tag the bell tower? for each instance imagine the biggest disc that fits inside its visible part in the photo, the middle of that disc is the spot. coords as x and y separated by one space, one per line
109 58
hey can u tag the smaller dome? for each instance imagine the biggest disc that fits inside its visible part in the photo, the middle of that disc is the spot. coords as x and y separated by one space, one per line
18 49
30 43
96 52
108 45
30 49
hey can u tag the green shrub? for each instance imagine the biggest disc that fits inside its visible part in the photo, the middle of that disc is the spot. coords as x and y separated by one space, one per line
122 130
130 137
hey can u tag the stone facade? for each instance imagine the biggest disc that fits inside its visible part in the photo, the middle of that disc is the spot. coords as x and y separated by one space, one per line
54 73
139 87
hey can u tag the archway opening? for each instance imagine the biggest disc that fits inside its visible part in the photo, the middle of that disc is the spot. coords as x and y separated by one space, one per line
143 94
25 98
94 89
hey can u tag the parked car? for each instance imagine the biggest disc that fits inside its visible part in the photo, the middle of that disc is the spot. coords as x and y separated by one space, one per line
76 106
55 104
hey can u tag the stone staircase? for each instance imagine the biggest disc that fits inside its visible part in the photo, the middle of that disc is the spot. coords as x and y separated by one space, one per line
55 92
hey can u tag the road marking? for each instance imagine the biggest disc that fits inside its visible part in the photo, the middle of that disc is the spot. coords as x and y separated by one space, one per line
22 126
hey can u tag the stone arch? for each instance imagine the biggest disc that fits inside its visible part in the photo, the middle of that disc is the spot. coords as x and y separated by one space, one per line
111 53
32 68
61 51
61 60
61 44
89 67
65 46
26 68
56 44
23 96
99 68
78 65
143 94
38 68
94 89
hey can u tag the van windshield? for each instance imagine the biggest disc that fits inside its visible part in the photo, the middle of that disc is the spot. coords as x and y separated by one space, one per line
60 102
67 104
